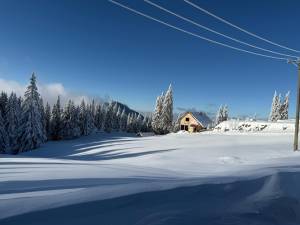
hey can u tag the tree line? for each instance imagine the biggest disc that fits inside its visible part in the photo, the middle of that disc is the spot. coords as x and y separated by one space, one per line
26 123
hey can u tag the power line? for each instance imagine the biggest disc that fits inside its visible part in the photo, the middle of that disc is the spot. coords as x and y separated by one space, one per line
193 34
216 32
239 28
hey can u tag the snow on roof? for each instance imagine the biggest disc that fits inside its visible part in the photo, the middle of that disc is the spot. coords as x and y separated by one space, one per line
202 118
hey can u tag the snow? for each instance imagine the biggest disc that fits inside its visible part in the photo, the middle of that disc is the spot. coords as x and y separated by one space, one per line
105 166
281 126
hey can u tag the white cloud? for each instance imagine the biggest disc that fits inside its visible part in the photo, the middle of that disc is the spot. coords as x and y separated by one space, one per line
49 92
10 85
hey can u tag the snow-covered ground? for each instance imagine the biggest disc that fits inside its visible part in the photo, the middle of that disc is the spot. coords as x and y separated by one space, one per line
83 173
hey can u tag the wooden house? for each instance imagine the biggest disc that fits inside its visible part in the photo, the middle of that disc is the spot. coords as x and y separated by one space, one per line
194 121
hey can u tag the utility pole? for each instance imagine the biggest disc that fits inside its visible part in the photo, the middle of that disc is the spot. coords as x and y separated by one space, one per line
297 64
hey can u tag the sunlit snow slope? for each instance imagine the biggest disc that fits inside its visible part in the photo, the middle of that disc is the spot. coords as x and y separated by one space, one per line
90 169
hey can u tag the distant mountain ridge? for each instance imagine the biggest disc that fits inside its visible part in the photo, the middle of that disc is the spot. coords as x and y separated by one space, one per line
127 109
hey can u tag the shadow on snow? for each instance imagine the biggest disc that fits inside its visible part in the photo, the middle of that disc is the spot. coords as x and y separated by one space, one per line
251 202
110 146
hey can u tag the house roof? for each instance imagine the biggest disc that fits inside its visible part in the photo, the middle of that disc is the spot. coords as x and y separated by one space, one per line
201 117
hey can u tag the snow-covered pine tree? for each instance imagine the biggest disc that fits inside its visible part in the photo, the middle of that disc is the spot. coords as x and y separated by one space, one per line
75 120
129 124
284 109
156 118
176 126
118 119
48 120
219 115
225 113
57 121
90 120
4 140
31 129
275 108
93 109
144 125
278 108
271 116
86 119
99 117
115 120
149 124
222 114
20 101
108 118
67 129
139 123
167 112
71 127
82 118
43 118
3 104
12 126
123 120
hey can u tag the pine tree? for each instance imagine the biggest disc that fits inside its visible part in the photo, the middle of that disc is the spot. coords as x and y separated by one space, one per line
83 123
222 114
90 120
31 132
115 117
225 113
284 110
57 122
118 119
149 124
48 120
156 118
93 109
71 127
123 120
139 123
4 140
86 119
167 112
13 114
108 118
144 127
219 115
176 126
99 117
129 124
76 121
43 119
134 126
67 128
275 108
3 105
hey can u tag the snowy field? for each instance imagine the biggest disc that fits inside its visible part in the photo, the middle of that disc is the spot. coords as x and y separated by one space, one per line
213 177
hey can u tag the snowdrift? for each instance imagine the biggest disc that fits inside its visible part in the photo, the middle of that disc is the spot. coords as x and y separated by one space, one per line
284 126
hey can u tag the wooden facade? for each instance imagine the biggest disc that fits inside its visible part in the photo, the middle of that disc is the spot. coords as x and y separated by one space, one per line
190 123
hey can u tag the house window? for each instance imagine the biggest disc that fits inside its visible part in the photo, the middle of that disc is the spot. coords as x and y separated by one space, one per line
182 127
187 119
186 128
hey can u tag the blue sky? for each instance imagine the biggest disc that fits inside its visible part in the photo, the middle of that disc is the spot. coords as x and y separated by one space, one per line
97 48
